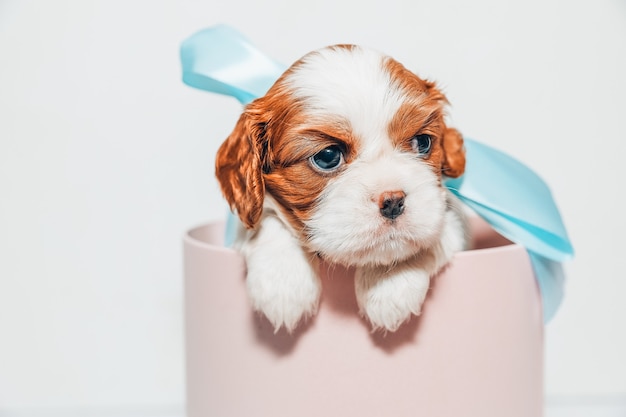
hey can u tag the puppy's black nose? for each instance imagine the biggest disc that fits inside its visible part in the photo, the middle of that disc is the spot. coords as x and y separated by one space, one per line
391 204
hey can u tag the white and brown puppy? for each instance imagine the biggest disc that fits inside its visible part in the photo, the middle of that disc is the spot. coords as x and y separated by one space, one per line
342 160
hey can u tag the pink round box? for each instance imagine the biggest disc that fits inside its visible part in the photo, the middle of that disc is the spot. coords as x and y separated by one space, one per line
476 351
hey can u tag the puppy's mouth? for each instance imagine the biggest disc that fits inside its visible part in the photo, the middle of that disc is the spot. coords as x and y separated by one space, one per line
390 241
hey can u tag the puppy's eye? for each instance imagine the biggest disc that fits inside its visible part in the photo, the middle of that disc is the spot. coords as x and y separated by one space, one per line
421 144
328 159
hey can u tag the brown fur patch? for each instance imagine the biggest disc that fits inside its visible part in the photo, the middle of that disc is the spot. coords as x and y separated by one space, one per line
238 167
454 165
411 120
423 113
269 150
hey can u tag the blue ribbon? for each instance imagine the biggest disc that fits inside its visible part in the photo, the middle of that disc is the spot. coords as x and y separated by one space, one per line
514 200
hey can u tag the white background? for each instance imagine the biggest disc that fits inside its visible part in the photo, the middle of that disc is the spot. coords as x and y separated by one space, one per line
106 158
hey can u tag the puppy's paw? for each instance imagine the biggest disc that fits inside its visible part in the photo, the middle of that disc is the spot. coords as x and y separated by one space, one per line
282 278
284 296
388 298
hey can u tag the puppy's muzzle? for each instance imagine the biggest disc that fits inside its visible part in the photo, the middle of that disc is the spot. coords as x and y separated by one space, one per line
391 204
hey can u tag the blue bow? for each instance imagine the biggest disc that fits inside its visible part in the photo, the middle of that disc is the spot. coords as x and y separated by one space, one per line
507 194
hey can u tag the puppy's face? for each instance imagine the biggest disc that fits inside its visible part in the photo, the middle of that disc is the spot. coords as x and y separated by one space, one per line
351 147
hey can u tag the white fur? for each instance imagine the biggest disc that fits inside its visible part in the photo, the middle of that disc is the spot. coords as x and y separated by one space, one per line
352 86
388 295
282 279
394 259
347 226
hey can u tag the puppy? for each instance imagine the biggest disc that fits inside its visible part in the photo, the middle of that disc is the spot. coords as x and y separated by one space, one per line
342 160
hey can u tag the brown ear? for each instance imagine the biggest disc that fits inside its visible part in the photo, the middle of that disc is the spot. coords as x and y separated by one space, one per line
453 165
454 154
238 167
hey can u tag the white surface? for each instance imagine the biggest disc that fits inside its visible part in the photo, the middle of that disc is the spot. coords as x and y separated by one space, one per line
129 411
562 407
610 406
106 158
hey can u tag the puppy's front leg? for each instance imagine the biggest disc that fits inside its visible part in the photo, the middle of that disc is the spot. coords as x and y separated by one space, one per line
282 278
388 295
